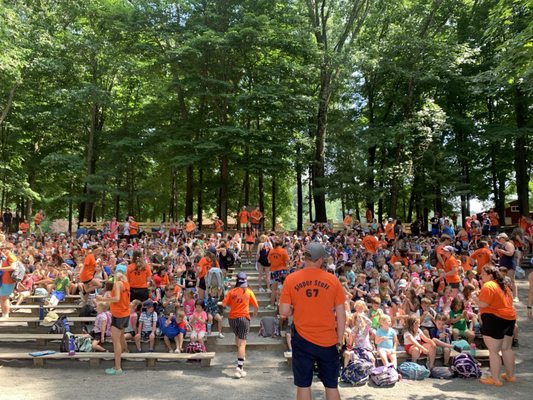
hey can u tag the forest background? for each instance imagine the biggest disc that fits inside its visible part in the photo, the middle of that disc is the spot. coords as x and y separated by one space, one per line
307 108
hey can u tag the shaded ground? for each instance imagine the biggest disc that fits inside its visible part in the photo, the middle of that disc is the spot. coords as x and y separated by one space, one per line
268 378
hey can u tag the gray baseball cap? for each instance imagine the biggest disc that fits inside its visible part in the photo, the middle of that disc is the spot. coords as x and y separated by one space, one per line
315 251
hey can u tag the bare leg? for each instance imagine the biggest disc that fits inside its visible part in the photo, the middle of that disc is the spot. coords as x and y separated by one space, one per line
494 346
508 356
116 337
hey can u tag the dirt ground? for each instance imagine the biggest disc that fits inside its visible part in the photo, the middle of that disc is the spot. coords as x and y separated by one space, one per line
268 378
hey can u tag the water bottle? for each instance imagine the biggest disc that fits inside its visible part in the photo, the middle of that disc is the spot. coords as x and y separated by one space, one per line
71 346
209 328
473 349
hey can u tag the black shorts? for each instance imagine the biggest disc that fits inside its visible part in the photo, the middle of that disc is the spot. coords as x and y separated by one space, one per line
96 336
496 327
240 327
139 294
201 284
257 227
304 356
120 323
455 285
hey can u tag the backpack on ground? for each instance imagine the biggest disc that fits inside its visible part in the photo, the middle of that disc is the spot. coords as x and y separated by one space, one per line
357 372
269 327
442 373
384 376
18 274
465 366
82 344
195 347
60 326
413 371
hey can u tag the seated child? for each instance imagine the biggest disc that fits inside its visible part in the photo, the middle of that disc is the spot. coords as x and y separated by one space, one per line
442 337
102 326
146 326
459 319
358 338
173 328
133 322
198 323
60 286
416 343
213 311
386 341
188 303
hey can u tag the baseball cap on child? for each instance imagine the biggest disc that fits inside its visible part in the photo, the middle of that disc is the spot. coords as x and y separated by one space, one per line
122 268
242 280
402 284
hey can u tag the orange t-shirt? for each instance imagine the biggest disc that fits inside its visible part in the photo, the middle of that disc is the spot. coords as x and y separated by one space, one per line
347 220
239 300
314 294
204 265
448 266
89 265
256 216
467 263
243 217
278 258
482 257
249 237
440 250
403 260
500 303
494 220
6 276
134 227
389 231
190 226
138 279
121 308
38 218
370 243
218 225
23 227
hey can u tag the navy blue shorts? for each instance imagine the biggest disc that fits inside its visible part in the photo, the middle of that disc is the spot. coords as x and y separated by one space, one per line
304 356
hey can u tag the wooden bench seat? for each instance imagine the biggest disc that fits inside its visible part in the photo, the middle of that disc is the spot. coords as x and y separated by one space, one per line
34 309
481 355
34 322
73 298
96 358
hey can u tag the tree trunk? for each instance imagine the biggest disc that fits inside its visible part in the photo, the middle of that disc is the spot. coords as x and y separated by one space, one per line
520 150
310 194
261 189
273 203
116 208
319 190
223 200
200 204
172 207
189 195
395 184
299 196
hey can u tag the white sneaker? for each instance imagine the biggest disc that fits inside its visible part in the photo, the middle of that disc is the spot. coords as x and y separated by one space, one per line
176 351
516 300
171 351
220 336
261 290
242 372
238 373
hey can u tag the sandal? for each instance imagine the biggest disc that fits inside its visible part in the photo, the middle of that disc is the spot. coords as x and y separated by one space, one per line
489 380
511 379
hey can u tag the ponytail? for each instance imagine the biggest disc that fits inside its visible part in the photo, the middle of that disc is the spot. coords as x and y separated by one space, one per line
138 260
496 276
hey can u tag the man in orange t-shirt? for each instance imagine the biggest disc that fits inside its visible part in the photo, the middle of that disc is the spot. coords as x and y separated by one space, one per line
190 227
347 221
219 226
316 300
482 256
134 228
243 218
389 230
24 227
445 240
37 221
256 216
239 299
279 269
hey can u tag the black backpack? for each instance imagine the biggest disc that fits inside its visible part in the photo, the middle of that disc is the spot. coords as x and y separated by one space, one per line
61 326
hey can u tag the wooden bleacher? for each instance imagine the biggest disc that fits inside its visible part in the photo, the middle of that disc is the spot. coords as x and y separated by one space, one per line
95 358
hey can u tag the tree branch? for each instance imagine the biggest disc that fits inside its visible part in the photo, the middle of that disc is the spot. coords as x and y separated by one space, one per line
10 96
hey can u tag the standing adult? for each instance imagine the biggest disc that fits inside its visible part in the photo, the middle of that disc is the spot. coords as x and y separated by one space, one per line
89 283
451 270
120 316
498 318
263 265
505 249
243 218
138 274
8 263
7 219
239 299
134 228
113 229
279 269
347 221
219 226
37 221
256 217
315 298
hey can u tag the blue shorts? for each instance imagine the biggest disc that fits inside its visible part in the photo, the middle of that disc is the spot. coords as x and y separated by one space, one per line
304 356
172 335
6 289
275 276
